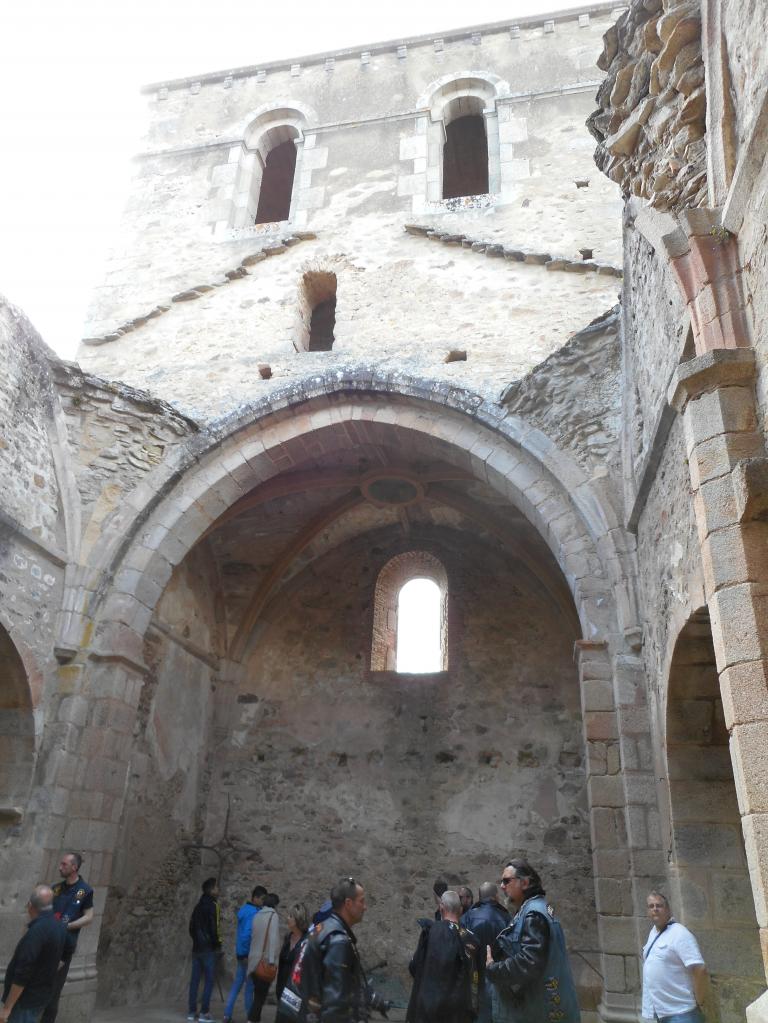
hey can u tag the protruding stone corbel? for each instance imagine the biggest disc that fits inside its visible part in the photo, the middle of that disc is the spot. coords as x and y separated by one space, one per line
724 367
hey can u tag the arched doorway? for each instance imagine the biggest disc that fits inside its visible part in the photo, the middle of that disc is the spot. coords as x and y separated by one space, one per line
711 891
17 733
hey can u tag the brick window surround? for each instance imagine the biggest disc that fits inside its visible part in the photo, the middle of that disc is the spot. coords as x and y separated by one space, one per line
394 575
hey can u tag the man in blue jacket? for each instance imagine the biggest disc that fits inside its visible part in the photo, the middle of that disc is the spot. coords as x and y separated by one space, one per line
527 966
245 916
486 919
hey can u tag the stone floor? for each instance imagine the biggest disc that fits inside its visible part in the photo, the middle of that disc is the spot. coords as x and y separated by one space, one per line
164 1014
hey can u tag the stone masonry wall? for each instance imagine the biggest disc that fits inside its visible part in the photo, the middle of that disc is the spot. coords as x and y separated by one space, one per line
154 882
321 768
30 494
329 769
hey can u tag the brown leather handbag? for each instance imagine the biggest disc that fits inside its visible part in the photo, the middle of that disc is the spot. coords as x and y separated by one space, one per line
266 971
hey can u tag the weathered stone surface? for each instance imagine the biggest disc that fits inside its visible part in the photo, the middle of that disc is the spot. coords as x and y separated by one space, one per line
652 107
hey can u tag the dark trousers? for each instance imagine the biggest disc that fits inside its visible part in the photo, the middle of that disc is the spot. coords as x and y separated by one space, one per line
203 965
260 992
49 1013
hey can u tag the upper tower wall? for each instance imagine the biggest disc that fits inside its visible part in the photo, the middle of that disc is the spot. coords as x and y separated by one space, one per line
340 152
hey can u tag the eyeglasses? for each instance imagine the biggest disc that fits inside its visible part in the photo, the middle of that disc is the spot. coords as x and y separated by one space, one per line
504 881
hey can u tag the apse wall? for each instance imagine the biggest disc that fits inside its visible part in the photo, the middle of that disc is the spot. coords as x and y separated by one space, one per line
330 769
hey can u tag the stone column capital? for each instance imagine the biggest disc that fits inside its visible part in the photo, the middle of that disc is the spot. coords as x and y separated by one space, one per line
720 367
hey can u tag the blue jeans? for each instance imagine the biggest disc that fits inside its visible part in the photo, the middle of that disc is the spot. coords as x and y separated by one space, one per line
203 963
19 1015
241 977
689 1016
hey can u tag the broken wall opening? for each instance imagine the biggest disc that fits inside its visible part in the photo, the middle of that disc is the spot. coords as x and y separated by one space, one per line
710 877
317 311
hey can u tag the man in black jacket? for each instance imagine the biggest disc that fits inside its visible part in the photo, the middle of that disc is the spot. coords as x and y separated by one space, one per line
444 969
342 994
31 974
485 920
206 945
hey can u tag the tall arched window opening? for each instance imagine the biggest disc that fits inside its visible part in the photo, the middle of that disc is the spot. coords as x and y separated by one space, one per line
17 733
419 606
410 615
317 311
277 183
465 156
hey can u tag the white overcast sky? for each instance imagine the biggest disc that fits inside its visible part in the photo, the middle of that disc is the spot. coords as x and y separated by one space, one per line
72 115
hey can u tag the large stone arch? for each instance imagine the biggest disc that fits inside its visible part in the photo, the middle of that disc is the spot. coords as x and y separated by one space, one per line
166 515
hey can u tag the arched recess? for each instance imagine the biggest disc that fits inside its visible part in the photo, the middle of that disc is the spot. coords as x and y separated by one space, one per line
17 732
711 890
393 576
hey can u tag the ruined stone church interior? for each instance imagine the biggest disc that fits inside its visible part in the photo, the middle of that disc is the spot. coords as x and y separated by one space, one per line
487 309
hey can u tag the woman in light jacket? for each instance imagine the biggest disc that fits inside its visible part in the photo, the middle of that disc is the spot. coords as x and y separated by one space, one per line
265 944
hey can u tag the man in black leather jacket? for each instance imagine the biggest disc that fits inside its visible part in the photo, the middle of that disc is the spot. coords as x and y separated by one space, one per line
344 993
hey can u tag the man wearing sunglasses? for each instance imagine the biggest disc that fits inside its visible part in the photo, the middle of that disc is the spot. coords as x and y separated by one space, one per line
527 968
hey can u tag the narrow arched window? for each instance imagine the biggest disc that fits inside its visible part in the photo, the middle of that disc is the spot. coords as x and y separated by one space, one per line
317 311
410 615
419 627
277 183
465 153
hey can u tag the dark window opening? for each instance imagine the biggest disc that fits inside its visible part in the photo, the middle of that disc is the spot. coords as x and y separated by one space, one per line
321 326
277 184
465 157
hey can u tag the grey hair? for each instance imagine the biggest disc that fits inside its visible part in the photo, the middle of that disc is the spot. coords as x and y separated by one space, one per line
41 897
451 902
659 895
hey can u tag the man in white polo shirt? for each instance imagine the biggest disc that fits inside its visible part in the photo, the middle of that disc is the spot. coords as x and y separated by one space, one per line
675 979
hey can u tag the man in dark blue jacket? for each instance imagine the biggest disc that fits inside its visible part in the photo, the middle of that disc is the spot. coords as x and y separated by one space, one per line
206 944
31 974
485 919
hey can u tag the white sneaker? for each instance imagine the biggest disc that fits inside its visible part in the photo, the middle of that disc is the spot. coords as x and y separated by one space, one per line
206 1017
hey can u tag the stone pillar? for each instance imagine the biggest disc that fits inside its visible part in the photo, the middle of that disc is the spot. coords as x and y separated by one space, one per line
715 394
626 853
83 780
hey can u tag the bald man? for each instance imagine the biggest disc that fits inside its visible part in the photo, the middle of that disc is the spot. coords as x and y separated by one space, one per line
487 919
30 977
